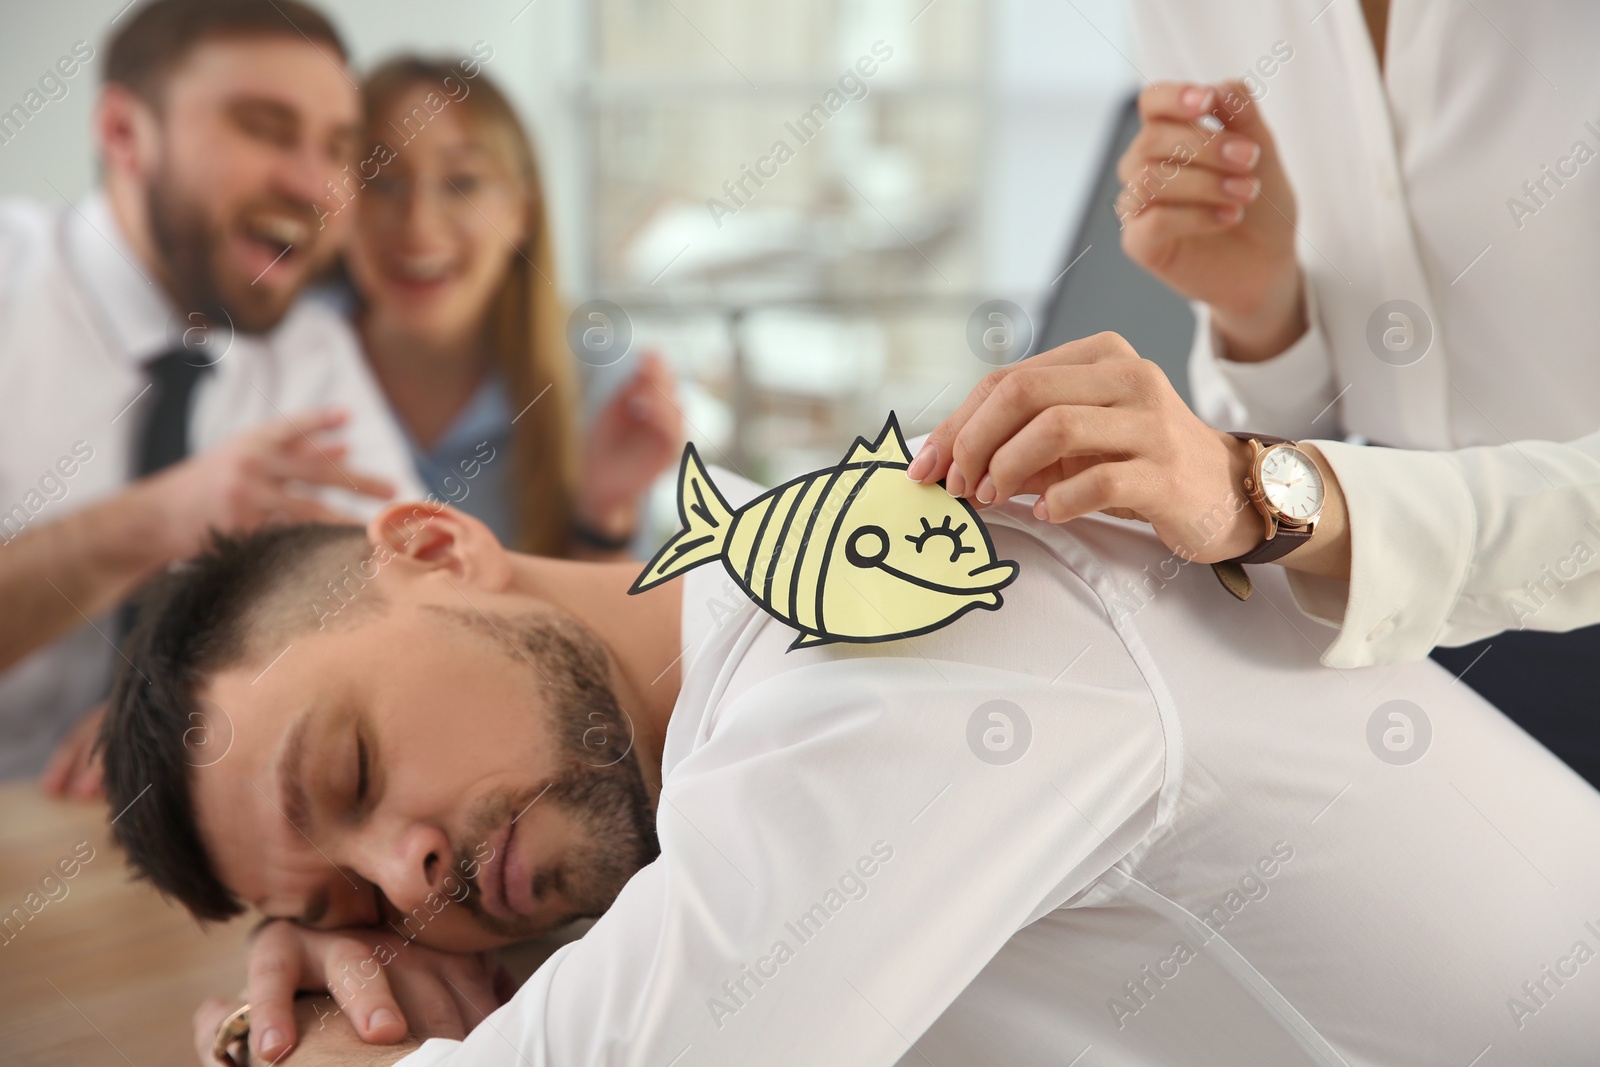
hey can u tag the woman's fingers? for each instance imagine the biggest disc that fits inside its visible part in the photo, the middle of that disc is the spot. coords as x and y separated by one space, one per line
1056 433
1102 486
934 461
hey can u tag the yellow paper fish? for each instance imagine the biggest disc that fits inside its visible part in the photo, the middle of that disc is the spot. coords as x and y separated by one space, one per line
856 552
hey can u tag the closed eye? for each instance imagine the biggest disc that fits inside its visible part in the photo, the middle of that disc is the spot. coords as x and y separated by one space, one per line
957 549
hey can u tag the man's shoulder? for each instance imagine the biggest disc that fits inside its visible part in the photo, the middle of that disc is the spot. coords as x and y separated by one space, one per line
25 227
315 328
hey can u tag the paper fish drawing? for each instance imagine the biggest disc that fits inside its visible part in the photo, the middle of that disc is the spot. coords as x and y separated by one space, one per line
856 552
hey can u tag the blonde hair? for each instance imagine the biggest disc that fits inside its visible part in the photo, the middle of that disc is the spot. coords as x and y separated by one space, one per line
527 318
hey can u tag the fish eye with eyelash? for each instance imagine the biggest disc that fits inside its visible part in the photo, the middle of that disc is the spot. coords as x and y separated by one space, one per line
957 549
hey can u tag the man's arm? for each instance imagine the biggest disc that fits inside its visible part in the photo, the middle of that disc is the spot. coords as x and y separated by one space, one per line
58 576
843 856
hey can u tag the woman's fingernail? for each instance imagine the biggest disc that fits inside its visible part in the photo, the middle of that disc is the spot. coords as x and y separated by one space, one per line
955 483
1228 213
271 1042
985 491
380 1018
1197 98
1240 188
1040 511
1241 151
923 464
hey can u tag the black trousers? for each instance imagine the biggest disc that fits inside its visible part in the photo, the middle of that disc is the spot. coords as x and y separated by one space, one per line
1548 684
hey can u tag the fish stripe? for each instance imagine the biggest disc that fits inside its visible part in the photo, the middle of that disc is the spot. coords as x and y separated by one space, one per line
775 554
833 535
768 504
800 559
794 549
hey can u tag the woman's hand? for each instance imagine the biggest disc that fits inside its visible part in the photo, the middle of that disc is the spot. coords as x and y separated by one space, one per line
1092 427
1211 213
638 434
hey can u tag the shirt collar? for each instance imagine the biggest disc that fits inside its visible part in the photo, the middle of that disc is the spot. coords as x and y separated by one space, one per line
132 305
486 417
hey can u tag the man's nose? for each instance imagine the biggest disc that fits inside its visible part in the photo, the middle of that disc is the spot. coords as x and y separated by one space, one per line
310 176
414 865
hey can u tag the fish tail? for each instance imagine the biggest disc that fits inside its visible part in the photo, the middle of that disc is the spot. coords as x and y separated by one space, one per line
706 519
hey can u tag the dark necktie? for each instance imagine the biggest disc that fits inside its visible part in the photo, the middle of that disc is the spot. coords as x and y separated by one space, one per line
164 439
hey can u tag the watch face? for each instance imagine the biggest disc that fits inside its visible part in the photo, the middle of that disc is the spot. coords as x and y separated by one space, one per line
1291 483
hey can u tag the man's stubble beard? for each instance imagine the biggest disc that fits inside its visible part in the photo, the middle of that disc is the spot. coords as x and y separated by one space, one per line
600 785
190 246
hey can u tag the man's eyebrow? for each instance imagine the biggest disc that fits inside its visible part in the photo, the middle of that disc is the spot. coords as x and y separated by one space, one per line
291 773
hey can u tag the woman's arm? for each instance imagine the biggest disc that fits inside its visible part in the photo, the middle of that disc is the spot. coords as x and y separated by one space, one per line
1413 549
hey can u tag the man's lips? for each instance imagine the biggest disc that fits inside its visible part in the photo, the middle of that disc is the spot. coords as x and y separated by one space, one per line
491 876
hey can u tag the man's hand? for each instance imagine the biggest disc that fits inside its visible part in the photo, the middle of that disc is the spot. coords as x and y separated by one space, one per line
1092 427
329 1037
637 435
75 768
260 475
383 984
1212 214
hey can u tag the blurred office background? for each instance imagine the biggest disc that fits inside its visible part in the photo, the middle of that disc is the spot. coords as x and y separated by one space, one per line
847 283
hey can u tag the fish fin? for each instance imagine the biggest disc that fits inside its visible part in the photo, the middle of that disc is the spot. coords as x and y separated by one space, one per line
706 519
808 639
890 447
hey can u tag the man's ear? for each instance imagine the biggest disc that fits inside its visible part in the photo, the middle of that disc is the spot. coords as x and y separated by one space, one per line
438 536
125 131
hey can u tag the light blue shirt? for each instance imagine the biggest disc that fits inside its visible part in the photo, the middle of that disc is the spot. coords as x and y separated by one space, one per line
469 466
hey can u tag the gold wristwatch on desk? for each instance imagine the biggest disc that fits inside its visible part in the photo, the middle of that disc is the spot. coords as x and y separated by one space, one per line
1286 487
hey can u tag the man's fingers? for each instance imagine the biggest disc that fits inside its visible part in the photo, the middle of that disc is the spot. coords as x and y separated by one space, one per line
360 984
314 469
273 976
306 424
432 1007
207 1017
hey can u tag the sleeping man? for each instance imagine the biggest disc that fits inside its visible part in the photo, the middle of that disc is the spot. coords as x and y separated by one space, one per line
1121 819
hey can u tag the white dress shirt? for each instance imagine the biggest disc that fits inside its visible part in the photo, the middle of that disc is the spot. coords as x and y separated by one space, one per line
1410 185
1195 856
78 317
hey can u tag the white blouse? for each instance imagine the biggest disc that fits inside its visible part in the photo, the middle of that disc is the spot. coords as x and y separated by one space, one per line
1448 214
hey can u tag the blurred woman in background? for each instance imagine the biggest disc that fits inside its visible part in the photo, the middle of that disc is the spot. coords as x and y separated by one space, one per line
462 322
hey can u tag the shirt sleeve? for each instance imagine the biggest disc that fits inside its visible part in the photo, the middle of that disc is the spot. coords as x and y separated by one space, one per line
1289 395
837 865
1452 547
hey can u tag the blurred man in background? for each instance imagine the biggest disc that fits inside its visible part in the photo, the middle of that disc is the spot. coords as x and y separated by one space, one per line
161 375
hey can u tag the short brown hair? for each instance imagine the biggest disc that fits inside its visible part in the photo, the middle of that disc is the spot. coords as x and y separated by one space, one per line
161 34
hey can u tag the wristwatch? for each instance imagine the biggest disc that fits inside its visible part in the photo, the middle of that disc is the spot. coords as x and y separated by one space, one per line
1285 485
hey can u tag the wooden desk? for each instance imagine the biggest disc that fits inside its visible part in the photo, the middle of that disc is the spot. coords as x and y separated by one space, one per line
109 973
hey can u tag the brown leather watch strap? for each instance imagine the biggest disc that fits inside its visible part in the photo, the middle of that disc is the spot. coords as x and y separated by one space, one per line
1287 539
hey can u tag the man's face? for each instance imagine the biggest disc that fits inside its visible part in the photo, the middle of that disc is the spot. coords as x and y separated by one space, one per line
251 133
461 776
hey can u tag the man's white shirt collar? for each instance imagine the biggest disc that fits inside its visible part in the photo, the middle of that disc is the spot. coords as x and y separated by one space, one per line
133 308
